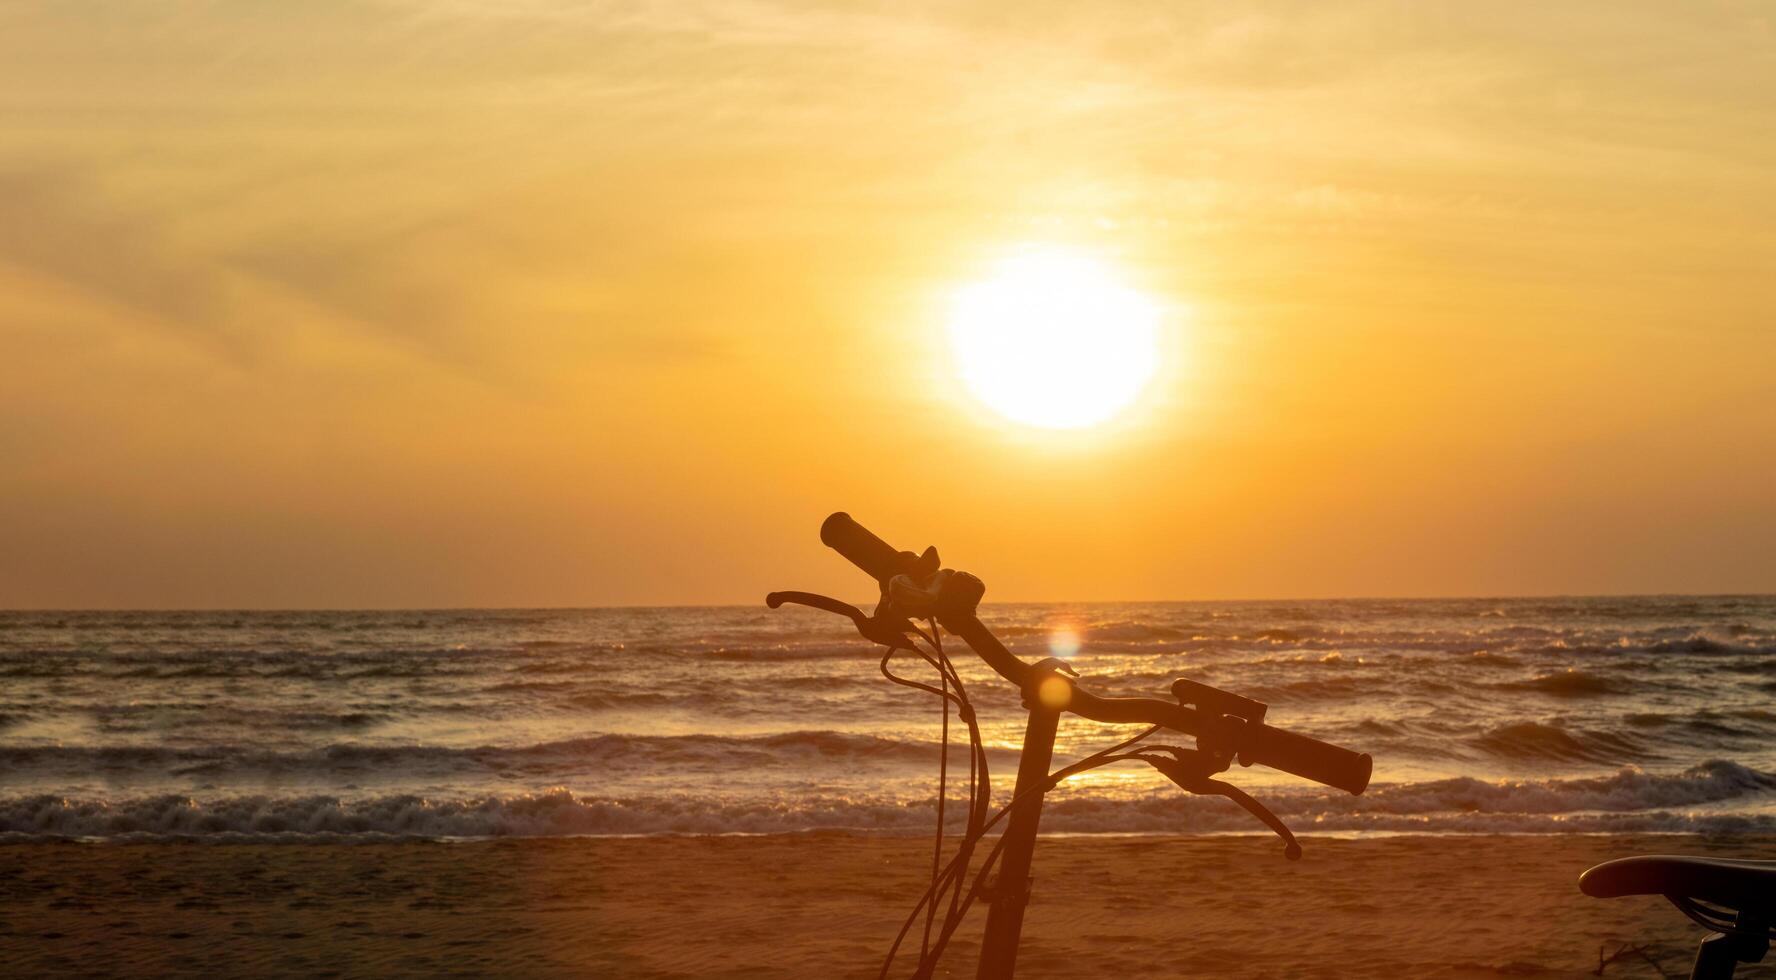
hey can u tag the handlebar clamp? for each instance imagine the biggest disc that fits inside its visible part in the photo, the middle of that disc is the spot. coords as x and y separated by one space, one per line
960 595
1227 714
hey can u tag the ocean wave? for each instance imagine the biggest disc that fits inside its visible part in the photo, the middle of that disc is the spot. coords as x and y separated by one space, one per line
1629 801
1491 658
1319 688
319 657
855 650
1569 683
301 662
152 716
1012 631
1628 789
1706 642
44 667
1537 741
1718 726
1750 667
595 753
1127 631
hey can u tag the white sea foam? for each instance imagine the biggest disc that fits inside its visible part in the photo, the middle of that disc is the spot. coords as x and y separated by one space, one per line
1627 801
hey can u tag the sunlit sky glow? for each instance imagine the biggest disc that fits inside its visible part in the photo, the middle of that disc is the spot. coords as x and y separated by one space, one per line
396 304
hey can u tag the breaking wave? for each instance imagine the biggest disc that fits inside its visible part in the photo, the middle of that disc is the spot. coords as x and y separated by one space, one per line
1628 801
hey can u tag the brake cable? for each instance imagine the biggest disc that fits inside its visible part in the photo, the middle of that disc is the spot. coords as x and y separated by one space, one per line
977 764
1100 758
979 792
979 786
943 773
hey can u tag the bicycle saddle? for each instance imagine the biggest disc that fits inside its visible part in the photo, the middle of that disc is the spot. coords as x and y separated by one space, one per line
1739 885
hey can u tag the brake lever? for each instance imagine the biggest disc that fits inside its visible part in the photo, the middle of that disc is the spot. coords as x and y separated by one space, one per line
886 629
1197 779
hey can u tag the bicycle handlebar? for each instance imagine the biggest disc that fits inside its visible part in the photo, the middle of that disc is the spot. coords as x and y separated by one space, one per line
861 548
1255 742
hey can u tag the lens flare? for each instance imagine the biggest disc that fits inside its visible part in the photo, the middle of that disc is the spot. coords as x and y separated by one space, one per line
1055 693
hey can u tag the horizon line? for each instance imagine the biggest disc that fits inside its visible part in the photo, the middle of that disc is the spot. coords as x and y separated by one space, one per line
761 605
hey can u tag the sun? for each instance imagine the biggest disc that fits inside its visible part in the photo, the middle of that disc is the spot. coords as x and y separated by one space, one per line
1053 339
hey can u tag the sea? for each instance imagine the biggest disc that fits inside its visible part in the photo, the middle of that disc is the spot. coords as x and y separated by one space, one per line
1515 716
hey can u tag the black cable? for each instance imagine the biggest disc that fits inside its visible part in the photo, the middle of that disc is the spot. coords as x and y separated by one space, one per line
977 824
915 685
927 966
949 874
980 793
966 850
943 773
977 751
1101 757
976 761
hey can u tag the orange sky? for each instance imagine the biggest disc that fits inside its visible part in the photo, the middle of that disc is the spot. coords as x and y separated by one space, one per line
546 303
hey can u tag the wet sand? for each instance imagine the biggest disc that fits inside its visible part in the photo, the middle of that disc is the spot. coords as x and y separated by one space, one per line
828 905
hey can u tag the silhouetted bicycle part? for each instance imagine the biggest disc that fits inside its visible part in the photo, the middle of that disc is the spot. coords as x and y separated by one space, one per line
1227 728
1734 900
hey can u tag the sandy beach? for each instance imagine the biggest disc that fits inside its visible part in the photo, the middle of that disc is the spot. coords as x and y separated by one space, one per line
827 905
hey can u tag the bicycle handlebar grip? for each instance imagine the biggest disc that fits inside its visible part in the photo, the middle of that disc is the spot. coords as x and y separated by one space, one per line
863 549
1310 758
